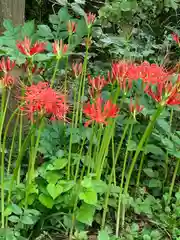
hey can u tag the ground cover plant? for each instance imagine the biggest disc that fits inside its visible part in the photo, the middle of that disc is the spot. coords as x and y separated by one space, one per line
85 154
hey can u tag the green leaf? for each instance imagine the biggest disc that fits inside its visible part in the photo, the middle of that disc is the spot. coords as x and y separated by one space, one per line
27 220
16 209
103 235
87 182
85 214
28 29
151 148
63 14
13 219
54 19
45 200
155 183
67 185
8 25
54 190
99 186
77 9
41 57
52 177
164 125
45 31
149 172
89 196
131 145
8 211
60 163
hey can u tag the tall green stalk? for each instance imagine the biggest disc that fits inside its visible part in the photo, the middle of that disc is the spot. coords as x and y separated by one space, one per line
140 145
55 71
111 175
122 183
2 118
173 180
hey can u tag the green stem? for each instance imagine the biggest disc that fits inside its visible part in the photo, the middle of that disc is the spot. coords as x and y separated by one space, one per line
12 145
167 156
66 66
140 167
122 183
173 179
111 175
3 114
55 71
140 145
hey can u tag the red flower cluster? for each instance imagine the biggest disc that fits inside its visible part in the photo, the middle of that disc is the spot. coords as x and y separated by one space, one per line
71 27
100 112
97 84
135 107
42 99
90 18
35 69
59 48
176 38
26 48
6 66
165 93
77 69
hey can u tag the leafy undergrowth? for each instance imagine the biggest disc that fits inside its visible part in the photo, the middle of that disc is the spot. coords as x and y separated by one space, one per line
85 155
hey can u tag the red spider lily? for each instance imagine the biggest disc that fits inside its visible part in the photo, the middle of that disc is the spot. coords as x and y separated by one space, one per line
42 99
90 18
135 107
34 70
124 73
165 93
100 111
59 48
97 83
71 27
6 65
152 73
26 48
77 69
176 38
7 80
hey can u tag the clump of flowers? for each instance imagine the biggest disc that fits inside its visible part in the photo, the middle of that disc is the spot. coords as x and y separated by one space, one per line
90 19
97 84
59 48
77 69
100 111
43 100
27 48
6 66
71 27
176 38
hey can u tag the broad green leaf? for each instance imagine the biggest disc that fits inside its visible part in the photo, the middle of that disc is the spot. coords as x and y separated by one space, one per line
164 125
27 220
77 9
67 185
151 148
16 209
132 145
54 190
86 182
8 211
8 25
45 200
99 186
28 29
45 31
54 19
149 172
64 15
60 163
13 219
52 177
41 57
103 235
155 183
62 2
85 214
89 196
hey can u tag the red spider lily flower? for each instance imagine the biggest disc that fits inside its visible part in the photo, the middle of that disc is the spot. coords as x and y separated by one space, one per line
152 73
176 38
100 111
59 48
77 69
34 69
97 83
90 19
124 73
166 93
71 27
6 65
7 80
41 99
135 107
26 48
